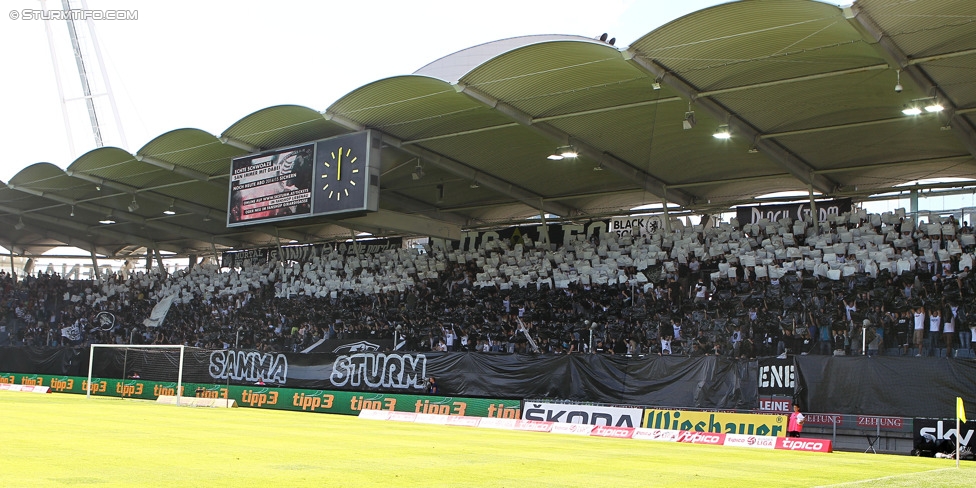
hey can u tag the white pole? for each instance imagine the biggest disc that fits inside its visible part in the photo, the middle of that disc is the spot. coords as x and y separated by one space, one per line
958 435
91 359
179 377
864 338
57 78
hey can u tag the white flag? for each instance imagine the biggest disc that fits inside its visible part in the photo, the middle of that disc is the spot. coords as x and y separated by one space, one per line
159 312
72 332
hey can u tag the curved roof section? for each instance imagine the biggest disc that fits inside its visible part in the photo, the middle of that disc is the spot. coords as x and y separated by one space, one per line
805 87
452 67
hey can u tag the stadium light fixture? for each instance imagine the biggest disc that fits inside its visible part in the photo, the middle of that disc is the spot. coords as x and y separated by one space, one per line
564 152
418 172
134 205
170 210
72 211
20 223
722 132
923 105
689 122
108 220
911 110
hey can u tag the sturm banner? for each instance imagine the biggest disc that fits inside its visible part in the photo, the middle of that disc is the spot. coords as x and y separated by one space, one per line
380 371
303 254
344 346
709 382
796 211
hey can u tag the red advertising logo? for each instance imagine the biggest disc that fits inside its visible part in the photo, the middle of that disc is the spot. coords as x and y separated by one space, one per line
710 438
615 432
795 444
657 435
533 425
463 421
818 419
403 416
575 429
884 422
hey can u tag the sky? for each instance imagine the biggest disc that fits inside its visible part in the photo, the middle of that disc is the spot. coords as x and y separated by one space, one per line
207 64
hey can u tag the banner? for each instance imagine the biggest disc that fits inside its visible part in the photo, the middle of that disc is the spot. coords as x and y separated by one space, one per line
637 225
777 377
924 388
303 254
945 430
159 312
271 186
345 346
796 211
583 414
827 384
716 422
338 402
72 332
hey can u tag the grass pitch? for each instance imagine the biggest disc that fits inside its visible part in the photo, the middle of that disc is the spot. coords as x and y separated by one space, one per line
68 440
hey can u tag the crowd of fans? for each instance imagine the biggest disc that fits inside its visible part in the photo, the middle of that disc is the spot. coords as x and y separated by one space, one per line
856 283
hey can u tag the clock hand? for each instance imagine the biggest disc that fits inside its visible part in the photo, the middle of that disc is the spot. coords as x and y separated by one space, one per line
339 166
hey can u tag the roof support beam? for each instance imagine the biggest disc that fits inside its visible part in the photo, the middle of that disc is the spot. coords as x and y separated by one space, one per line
409 205
180 170
243 146
789 161
148 194
460 169
128 216
949 159
648 182
814 130
55 222
885 45
386 220
797 79
547 118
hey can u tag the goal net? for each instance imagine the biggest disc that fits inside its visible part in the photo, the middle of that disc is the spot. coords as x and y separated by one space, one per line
131 364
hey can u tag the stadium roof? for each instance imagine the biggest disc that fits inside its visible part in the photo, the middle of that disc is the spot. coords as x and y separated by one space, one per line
806 88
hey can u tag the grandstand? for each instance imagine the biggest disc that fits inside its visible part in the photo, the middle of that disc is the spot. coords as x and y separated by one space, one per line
481 243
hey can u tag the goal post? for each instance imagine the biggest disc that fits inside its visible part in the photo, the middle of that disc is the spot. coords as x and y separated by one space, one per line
155 360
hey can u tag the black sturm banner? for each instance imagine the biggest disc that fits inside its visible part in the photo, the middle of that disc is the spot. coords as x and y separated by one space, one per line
301 254
796 211
709 382
472 240
878 386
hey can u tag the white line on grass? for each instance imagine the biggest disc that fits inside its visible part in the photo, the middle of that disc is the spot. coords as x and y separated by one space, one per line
895 476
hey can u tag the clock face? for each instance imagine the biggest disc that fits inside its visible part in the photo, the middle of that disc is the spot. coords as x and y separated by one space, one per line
332 176
341 174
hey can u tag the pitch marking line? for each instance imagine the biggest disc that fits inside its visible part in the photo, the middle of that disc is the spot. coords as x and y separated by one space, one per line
896 476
